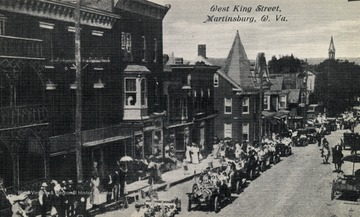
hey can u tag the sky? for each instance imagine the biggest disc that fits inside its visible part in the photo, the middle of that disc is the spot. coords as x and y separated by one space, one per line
306 32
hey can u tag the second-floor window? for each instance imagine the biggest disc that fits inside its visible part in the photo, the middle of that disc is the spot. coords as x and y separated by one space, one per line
228 106
266 105
135 92
246 103
155 50
126 42
216 80
46 30
130 92
2 24
282 102
143 48
143 92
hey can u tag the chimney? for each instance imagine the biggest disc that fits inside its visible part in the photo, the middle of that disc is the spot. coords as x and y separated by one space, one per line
202 50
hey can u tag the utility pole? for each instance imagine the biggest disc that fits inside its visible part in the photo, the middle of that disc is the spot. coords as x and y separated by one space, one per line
78 110
260 107
261 69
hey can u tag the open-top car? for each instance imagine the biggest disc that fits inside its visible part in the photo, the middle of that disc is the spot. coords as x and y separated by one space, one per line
210 191
347 184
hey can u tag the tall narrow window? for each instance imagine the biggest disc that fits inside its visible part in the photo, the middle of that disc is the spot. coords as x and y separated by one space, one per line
143 48
46 34
216 80
245 132
2 24
128 42
266 105
246 102
143 92
123 40
282 102
130 92
155 50
228 106
228 130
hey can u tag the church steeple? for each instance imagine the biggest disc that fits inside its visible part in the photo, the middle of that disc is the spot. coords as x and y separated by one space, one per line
332 49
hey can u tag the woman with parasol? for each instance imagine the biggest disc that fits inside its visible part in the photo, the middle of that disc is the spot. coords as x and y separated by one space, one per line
121 171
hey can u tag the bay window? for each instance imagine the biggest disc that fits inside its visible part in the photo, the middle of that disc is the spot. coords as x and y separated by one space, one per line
130 92
135 93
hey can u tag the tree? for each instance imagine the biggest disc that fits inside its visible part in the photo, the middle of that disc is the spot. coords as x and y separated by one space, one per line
337 85
285 64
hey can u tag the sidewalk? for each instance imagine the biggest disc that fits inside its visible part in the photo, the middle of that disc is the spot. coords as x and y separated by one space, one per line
170 179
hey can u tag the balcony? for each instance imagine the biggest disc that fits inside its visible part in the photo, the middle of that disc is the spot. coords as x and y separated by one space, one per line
22 116
22 48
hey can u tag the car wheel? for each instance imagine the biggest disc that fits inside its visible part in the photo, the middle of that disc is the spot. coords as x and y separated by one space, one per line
216 204
189 205
238 187
251 175
332 193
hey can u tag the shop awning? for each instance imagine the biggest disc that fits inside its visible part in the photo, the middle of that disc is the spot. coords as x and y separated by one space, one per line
174 125
282 114
267 114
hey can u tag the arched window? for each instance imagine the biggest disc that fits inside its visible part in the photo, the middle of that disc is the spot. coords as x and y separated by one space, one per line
188 83
216 80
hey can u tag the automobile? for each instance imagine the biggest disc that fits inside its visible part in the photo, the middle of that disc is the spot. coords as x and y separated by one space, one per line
306 136
206 193
351 141
331 124
347 184
167 207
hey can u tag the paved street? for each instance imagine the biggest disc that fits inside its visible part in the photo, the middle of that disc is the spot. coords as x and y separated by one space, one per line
300 185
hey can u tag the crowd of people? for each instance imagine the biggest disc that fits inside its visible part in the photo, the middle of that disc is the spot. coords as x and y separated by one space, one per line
53 199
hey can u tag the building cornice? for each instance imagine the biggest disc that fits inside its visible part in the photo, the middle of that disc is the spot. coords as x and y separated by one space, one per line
60 11
143 7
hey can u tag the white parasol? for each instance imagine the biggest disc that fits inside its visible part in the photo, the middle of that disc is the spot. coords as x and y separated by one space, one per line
126 159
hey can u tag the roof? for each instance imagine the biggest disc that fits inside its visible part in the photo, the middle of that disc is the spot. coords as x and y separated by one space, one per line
217 62
201 59
229 80
332 46
277 83
294 95
237 65
136 69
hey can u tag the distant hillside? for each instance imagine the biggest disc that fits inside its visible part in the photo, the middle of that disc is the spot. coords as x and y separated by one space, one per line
314 61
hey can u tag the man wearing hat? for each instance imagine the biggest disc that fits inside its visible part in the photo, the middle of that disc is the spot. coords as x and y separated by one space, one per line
43 199
139 212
